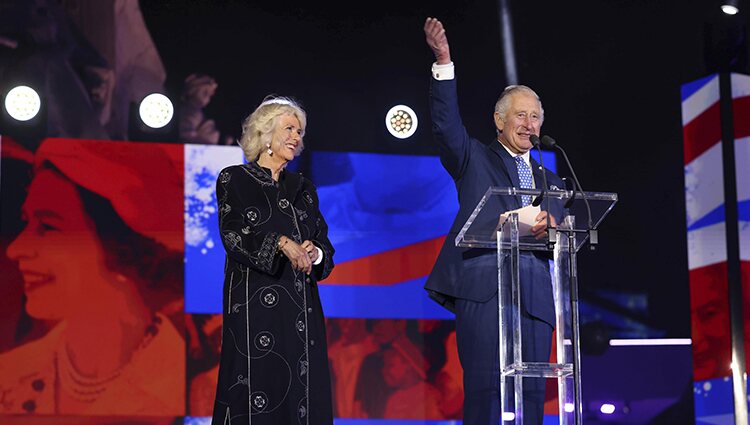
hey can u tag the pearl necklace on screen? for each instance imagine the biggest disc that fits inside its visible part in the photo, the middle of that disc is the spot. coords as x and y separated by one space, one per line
86 388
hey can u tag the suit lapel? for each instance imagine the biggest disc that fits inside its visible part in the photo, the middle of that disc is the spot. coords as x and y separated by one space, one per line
509 168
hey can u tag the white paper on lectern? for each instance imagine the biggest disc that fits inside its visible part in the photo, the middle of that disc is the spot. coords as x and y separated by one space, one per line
526 219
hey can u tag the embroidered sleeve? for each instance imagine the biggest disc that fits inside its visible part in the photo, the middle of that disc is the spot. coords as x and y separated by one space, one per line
267 252
242 240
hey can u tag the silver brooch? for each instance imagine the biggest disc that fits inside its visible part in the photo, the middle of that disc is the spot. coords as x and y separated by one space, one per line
270 297
264 340
259 401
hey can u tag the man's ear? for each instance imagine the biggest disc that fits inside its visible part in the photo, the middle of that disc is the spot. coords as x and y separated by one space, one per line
499 123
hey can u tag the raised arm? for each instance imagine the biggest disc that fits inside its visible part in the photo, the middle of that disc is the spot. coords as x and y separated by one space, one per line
447 127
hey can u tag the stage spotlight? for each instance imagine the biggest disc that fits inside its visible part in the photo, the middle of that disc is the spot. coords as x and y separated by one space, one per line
156 110
23 115
730 7
569 407
153 119
401 121
607 408
22 103
508 416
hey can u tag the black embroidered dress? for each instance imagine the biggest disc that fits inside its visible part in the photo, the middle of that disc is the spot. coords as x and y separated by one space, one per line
271 311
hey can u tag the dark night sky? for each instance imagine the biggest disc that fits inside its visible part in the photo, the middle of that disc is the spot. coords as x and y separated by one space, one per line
609 74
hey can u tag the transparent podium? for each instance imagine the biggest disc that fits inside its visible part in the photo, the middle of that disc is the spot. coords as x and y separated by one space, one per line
491 225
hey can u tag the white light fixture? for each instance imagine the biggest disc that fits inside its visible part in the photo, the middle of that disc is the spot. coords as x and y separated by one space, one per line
730 7
401 121
607 408
22 103
156 110
569 407
508 416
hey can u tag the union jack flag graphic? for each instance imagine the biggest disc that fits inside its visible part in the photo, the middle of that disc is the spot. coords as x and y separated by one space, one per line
707 234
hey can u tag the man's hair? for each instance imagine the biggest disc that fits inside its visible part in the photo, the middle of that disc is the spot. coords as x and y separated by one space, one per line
503 102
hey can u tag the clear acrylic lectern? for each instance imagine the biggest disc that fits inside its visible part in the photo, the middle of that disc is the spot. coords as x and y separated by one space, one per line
491 226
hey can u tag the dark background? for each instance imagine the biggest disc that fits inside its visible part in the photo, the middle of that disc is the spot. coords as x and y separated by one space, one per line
608 72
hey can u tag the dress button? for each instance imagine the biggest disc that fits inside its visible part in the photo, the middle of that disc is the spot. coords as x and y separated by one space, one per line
312 342
307 279
29 406
309 309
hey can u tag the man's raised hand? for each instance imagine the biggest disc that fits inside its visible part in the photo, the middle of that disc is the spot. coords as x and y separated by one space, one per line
435 35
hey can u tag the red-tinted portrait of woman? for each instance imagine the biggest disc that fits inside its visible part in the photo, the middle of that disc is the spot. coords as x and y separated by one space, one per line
709 313
395 369
98 263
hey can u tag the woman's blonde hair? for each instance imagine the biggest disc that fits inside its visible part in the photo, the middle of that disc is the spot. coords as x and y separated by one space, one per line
258 128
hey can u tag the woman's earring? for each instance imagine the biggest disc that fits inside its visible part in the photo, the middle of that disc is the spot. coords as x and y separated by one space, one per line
270 152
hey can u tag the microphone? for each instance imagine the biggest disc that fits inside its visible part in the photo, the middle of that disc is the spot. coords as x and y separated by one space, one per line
543 195
537 143
550 143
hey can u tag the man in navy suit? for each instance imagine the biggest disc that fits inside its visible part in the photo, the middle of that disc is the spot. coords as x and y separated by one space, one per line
465 280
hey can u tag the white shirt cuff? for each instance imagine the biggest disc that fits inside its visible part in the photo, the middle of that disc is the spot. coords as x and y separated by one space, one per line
443 72
320 257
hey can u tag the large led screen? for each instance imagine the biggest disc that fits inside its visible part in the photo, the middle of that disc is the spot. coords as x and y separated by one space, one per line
112 273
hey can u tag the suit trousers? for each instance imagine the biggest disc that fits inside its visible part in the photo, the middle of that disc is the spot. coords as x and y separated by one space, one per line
477 341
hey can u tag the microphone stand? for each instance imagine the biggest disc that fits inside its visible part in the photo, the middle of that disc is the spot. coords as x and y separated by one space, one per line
549 142
551 232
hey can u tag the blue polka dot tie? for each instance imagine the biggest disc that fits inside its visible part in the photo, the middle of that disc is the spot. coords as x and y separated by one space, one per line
524 175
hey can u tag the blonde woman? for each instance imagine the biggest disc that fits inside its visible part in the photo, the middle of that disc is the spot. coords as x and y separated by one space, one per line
274 362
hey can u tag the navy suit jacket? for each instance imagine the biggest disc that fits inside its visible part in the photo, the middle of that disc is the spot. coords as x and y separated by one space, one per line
471 273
